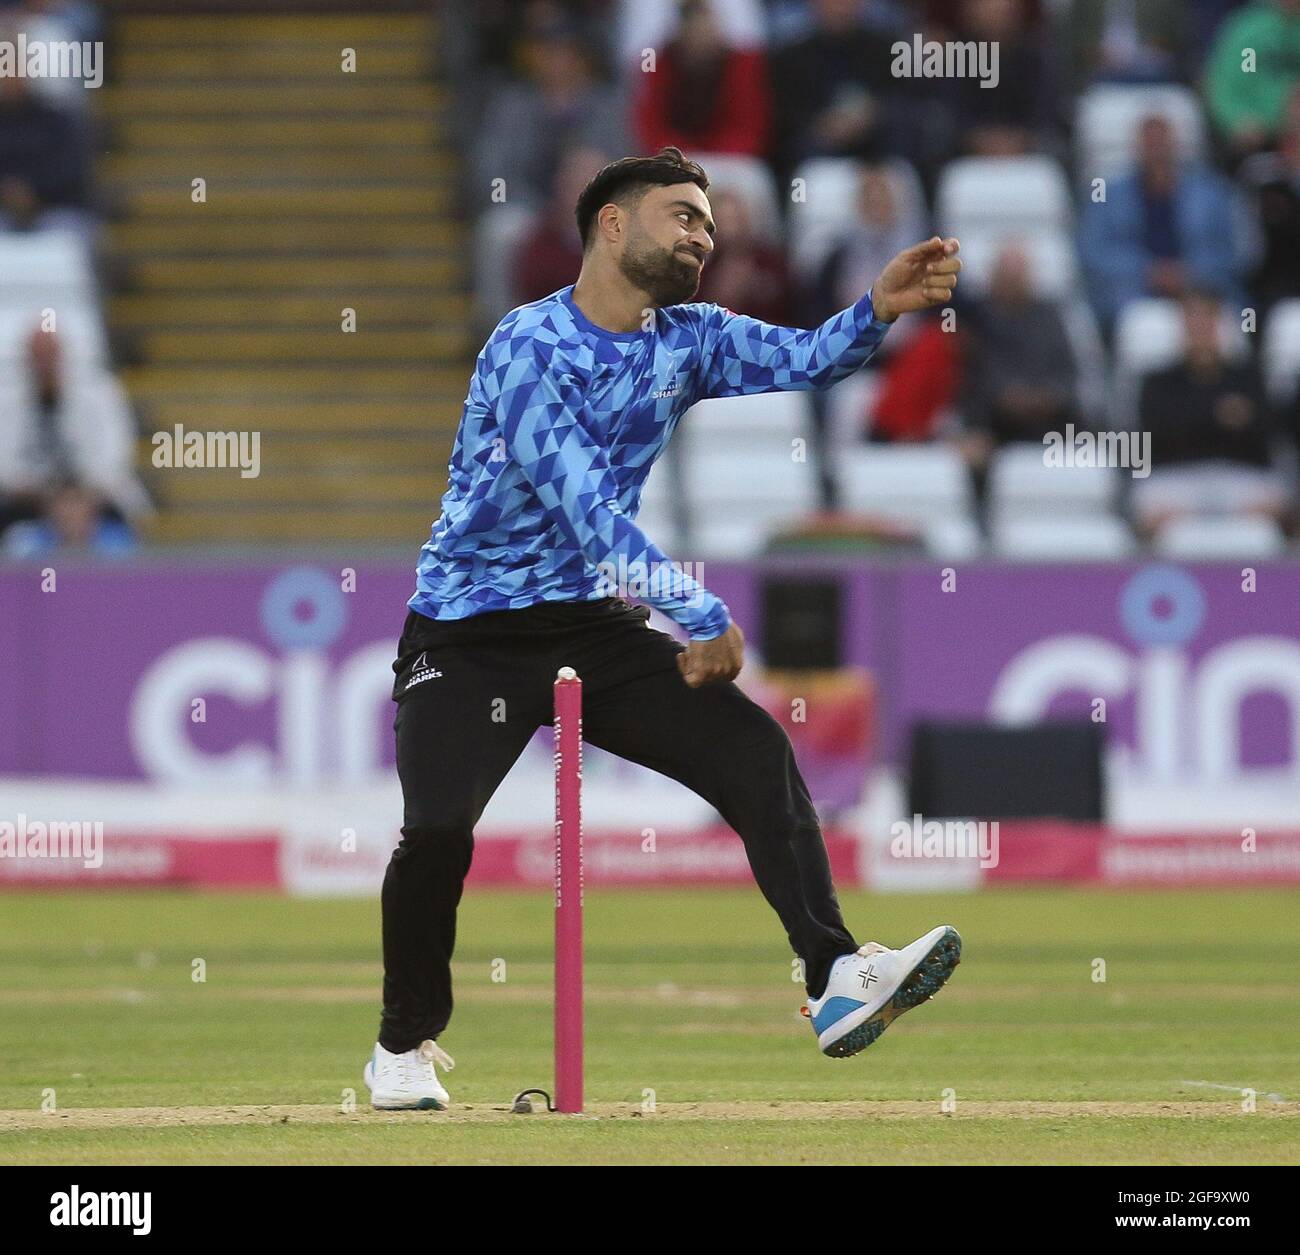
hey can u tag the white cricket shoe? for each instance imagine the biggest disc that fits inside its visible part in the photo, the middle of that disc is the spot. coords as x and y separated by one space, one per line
867 990
408 1082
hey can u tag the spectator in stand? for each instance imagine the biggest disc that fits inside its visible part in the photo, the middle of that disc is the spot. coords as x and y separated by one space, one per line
63 425
1247 104
1120 41
878 232
1274 179
1211 431
1020 375
76 20
743 273
650 24
550 255
857 255
835 92
704 95
1166 227
559 104
73 519
57 22
920 385
1024 113
42 163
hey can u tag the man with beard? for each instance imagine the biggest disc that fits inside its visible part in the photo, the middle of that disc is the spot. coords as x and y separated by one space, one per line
572 399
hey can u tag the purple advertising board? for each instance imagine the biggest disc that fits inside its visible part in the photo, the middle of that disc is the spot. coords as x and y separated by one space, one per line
1196 667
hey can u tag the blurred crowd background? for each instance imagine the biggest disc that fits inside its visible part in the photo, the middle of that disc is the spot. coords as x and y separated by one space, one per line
67 431
1127 196
1128 200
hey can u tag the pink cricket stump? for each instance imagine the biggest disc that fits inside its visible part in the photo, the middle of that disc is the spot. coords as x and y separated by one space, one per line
568 891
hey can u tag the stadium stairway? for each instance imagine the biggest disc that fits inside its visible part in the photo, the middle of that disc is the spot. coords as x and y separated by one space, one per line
325 191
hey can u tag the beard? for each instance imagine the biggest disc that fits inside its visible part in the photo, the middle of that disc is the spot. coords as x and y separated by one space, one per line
665 276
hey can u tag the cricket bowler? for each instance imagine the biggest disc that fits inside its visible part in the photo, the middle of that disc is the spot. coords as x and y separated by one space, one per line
572 399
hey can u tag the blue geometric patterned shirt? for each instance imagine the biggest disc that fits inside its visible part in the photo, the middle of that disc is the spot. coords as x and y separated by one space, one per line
561 426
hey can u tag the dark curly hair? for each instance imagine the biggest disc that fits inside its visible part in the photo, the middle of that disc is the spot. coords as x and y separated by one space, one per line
629 178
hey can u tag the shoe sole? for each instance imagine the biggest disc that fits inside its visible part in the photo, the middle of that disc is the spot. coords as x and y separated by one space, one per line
918 986
423 1104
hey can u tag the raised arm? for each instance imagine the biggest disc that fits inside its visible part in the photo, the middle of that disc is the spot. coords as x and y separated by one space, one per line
551 436
742 355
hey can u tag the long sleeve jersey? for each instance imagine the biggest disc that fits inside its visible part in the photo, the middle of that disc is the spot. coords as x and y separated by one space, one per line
561 426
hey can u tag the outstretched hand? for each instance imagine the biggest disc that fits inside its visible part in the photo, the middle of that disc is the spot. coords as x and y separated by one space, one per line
920 277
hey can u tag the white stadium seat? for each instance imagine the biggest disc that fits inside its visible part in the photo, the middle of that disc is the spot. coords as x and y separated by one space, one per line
746 473
772 418
1036 534
1020 482
1108 118
1011 195
741 494
1282 350
910 482
1225 536
828 206
752 181
923 486
1149 336
661 507
498 235
1052 254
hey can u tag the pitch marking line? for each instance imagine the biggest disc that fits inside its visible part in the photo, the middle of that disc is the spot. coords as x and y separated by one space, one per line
168 1117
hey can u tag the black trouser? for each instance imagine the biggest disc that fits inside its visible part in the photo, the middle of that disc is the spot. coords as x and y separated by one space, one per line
471 693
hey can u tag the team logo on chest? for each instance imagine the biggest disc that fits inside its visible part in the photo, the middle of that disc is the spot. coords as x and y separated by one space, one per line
676 380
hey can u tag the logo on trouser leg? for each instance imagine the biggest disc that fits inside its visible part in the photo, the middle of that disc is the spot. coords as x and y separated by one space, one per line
421 671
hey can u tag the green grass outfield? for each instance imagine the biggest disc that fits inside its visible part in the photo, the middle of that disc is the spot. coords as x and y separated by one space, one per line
689 996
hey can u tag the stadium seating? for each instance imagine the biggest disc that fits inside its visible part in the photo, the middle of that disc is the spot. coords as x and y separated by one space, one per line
742 491
1052 254
1219 537
753 182
1281 351
1107 120
826 207
665 513
770 419
1149 337
1041 535
1006 195
924 487
1021 483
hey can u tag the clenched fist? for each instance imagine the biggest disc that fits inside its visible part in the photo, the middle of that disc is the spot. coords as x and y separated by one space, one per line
718 659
